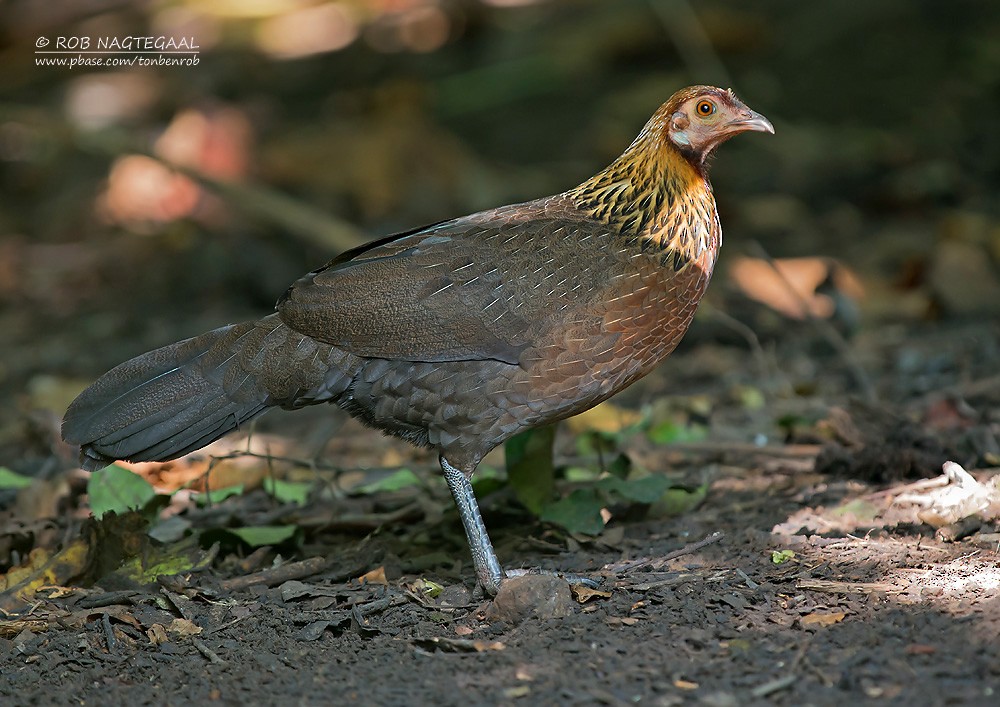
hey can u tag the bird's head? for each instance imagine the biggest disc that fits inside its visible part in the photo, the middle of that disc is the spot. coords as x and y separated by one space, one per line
699 118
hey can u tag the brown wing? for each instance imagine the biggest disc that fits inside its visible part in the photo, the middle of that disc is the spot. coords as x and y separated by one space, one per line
480 287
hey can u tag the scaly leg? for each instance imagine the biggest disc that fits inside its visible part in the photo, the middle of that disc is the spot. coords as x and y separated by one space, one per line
488 569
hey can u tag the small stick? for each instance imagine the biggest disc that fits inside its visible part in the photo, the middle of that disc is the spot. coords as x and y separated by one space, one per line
212 656
832 587
109 635
276 575
787 451
660 561
678 579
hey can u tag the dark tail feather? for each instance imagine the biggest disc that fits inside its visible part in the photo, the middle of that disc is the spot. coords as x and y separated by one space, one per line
179 398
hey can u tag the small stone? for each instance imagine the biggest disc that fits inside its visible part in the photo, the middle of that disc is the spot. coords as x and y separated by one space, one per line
532 595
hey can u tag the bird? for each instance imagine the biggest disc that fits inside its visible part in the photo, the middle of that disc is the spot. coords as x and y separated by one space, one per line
458 335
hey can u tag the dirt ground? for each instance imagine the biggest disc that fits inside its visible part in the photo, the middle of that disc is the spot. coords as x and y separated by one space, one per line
866 605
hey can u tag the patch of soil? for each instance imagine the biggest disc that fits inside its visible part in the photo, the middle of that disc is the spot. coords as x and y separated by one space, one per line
785 586
889 616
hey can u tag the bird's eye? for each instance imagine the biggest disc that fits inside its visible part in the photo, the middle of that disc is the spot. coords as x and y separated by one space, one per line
705 108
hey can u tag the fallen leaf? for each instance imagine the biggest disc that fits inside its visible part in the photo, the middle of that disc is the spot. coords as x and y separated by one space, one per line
823 619
42 569
375 576
461 645
157 634
622 621
184 627
583 593
515 692
920 649
256 536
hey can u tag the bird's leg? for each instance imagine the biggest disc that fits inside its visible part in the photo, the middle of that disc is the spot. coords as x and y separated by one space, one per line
488 569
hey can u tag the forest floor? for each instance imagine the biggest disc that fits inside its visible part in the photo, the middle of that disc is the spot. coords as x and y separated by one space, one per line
812 573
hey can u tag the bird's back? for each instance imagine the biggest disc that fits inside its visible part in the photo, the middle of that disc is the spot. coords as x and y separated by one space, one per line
506 319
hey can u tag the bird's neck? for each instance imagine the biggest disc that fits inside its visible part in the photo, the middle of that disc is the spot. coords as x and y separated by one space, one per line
657 199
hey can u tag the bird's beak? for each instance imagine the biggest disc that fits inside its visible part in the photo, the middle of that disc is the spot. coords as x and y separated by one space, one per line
754 121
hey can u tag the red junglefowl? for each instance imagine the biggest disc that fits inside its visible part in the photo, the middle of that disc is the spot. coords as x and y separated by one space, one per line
461 334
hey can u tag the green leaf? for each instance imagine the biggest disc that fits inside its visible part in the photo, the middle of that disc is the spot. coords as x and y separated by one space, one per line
288 491
669 431
530 471
780 557
580 512
576 474
117 489
169 530
212 496
749 397
12 480
648 489
257 536
400 479
620 466
487 479
155 562
594 442
679 500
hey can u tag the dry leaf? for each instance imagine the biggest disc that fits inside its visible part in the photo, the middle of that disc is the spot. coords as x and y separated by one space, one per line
375 576
157 634
685 685
583 593
42 569
622 621
463 630
184 627
461 645
483 646
515 692
823 619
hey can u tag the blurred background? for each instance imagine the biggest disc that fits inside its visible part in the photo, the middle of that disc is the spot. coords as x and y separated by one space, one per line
308 126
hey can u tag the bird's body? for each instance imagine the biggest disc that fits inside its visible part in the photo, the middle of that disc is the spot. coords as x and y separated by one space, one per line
458 335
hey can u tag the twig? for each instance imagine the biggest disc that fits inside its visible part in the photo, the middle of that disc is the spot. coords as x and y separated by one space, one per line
354 522
787 451
276 575
693 547
669 581
212 656
658 562
772 686
775 685
746 578
109 634
833 587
